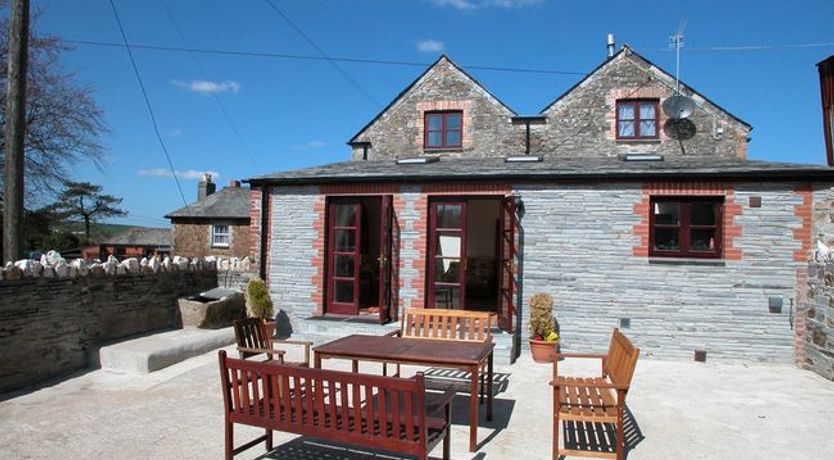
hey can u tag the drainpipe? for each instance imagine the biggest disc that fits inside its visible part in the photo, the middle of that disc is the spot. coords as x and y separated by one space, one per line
264 232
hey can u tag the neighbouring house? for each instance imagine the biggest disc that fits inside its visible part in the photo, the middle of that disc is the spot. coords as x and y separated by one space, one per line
628 216
217 224
136 242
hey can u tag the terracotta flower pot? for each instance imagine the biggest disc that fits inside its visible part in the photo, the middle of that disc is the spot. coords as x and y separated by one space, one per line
543 352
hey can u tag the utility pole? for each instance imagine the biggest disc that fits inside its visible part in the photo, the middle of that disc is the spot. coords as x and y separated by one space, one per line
15 130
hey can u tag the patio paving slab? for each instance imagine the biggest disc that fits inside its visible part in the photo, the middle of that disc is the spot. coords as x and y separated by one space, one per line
681 410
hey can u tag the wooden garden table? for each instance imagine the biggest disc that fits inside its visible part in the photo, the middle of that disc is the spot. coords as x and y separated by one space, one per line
466 356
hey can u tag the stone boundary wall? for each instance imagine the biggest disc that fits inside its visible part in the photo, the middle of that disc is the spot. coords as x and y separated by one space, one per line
815 318
53 315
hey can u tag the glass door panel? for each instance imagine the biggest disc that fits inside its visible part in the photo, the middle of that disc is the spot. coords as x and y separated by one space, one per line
447 255
343 257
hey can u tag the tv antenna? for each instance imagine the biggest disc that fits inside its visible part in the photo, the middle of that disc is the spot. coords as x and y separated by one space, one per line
676 42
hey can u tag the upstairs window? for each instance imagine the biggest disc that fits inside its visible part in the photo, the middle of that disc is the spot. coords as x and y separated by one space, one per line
637 119
686 227
220 236
444 130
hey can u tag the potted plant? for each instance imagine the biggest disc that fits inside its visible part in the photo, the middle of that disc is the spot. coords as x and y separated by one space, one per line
544 330
258 303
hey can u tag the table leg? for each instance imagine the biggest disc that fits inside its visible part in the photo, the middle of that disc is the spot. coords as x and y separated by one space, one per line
473 409
489 387
355 366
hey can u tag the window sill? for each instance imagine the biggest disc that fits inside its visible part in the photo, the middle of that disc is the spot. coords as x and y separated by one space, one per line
638 141
216 246
654 260
442 149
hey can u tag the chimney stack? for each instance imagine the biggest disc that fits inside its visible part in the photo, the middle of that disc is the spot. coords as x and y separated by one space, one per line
826 69
234 183
611 45
206 187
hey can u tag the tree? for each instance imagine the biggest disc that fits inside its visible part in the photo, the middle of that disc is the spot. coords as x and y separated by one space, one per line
84 202
63 122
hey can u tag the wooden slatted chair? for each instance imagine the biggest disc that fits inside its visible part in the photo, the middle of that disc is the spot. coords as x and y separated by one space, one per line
392 414
596 400
253 339
448 325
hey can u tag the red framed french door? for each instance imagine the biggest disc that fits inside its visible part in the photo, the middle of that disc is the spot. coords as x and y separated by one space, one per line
447 255
509 263
387 307
344 257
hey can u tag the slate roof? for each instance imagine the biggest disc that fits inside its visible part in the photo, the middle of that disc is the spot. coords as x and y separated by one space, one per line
228 203
156 237
550 168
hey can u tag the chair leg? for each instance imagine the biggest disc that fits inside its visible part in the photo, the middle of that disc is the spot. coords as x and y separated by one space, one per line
230 434
447 440
556 428
620 436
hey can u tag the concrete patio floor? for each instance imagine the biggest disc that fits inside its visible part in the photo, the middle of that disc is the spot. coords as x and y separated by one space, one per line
682 410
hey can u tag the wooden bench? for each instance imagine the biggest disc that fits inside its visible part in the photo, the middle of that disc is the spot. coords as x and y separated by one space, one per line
387 413
438 324
596 400
253 338
441 324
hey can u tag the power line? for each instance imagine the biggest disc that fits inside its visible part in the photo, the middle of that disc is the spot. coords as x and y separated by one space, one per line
321 52
304 57
148 104
749 47
217 99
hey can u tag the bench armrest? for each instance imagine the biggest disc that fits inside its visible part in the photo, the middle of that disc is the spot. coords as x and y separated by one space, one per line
261 350
304 343
561 382
438 402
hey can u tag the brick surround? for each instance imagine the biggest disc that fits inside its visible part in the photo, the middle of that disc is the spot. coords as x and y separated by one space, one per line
730 229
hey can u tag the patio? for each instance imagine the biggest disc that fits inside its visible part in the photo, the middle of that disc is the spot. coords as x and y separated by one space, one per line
680 410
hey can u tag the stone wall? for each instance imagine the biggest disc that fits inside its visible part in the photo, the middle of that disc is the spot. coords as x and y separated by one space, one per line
49 326
816 312
194 240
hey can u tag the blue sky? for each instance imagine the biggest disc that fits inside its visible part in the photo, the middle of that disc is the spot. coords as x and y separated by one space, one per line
295 113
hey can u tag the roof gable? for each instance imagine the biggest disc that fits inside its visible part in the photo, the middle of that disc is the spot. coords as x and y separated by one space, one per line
228 203
441 61
626 53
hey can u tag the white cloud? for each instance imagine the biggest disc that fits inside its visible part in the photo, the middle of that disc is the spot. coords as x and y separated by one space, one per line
474 4
430 46
190 174
207 86
314 144
176 132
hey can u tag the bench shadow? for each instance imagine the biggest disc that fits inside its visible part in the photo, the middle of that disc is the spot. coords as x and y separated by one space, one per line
304 448
458 380
599 437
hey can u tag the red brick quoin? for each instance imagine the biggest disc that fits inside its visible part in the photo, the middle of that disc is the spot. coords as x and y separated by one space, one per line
731 209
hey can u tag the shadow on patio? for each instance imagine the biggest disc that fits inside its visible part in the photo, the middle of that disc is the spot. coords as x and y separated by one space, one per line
599 437
306 449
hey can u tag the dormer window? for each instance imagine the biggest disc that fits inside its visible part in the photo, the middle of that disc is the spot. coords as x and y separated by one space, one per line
637 119
444 130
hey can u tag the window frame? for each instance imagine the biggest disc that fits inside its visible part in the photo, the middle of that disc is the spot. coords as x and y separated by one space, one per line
444 130
635 103
215 233
685 227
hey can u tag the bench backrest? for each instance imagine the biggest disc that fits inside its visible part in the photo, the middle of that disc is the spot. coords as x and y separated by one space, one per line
326 404
432 323
251 333
621 359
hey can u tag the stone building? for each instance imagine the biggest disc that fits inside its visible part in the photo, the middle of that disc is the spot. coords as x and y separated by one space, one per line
629 217
217 224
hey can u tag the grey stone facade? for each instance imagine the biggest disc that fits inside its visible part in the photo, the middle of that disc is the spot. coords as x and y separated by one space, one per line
487 127
583 121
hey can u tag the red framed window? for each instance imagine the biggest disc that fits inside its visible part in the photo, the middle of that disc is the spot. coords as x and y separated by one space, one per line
443 130
686 227
637 119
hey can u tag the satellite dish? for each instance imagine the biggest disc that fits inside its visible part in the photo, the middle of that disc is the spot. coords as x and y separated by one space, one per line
679 107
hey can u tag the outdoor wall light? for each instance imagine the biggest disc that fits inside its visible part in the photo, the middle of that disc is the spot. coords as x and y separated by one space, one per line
774 303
